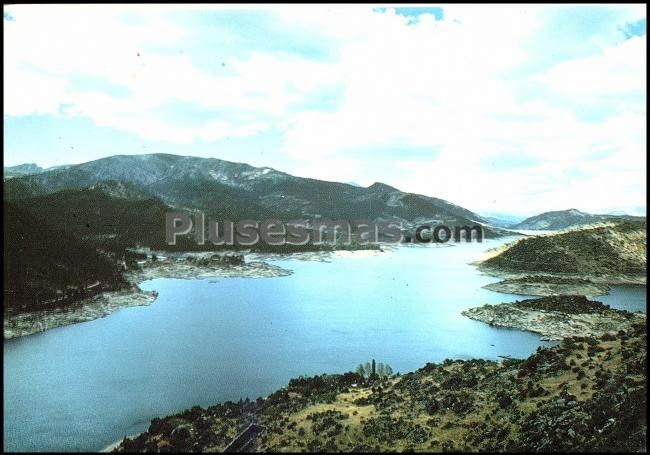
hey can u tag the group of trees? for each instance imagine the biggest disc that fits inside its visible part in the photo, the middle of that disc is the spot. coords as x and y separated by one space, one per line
46 266
372 370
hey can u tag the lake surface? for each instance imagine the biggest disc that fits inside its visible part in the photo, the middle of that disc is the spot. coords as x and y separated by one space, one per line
84 386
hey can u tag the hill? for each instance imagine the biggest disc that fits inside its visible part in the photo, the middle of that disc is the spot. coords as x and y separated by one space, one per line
26 169
45 266
109 215
563 219
614 253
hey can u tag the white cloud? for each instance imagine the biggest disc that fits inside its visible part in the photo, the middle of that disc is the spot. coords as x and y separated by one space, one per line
472 88
46 45
618 70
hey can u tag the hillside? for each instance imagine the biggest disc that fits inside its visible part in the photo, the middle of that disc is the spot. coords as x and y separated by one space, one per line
614 253
587 394
504 220
236 191
563 219
45 266
109 215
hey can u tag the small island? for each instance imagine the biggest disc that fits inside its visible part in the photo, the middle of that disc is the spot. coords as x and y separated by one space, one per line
556 317
547 285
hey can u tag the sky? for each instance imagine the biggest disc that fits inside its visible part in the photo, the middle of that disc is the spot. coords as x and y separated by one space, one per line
499 109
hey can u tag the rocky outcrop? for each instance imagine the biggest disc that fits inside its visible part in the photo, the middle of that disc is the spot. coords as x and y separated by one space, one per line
556 317
541 285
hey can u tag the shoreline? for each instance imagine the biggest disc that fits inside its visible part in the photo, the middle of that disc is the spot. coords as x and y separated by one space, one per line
540 283
85 310
175 265
608 279
111 447
555 324
544 286
561 389
107 302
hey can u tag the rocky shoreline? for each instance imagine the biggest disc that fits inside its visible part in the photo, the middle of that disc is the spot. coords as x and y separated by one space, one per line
181 265
556 318
184 266
585 394
85 310
545 285
580 261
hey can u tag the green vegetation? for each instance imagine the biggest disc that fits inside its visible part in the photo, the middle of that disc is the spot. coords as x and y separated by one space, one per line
46 267
586 394
570 304
613 250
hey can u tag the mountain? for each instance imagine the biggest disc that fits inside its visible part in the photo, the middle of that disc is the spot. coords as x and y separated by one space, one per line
235 191
26 169
71 228
22 169
616 253
562 219
499 219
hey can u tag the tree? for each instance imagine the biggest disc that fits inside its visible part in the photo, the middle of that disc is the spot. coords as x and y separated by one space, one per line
374 370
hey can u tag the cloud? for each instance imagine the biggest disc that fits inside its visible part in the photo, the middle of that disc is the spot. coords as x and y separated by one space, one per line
44 58
502 107
618 70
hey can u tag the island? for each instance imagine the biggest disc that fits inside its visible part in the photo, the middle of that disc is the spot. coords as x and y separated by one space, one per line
582 261
556 317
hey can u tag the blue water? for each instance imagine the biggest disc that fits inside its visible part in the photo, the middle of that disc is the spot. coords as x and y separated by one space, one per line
630 298
84 386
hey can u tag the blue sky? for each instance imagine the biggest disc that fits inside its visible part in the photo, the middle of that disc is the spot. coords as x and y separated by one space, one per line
515 109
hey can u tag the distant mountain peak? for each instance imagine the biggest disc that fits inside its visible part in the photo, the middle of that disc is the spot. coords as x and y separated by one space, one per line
381 186
563 219
576 212
21 169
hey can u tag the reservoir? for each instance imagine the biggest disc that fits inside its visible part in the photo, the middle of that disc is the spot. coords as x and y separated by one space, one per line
204 341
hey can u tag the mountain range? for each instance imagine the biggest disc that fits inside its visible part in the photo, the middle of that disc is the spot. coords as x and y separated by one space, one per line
227 190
